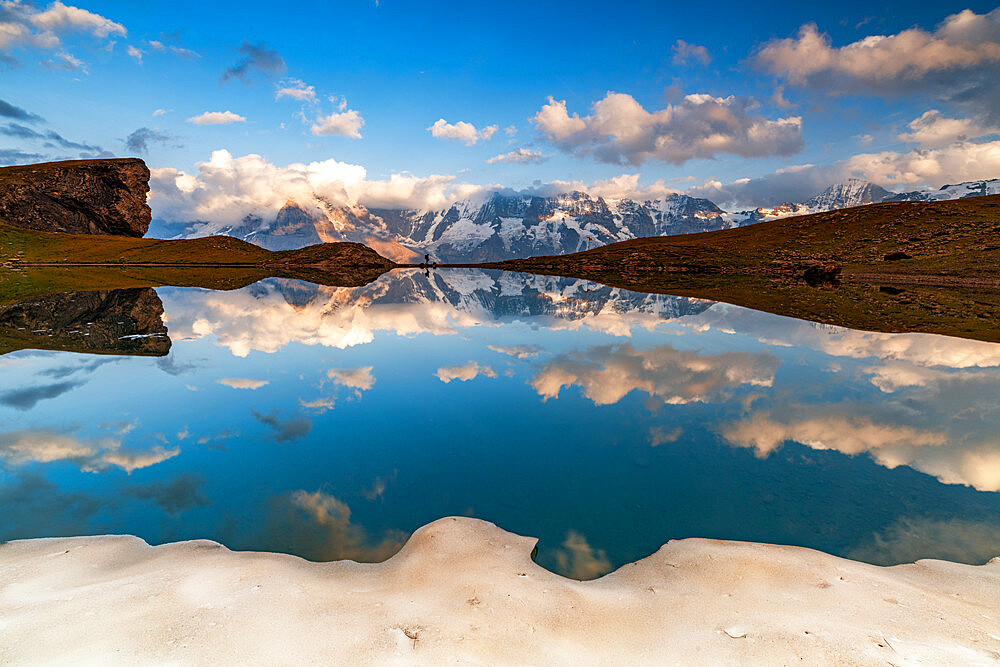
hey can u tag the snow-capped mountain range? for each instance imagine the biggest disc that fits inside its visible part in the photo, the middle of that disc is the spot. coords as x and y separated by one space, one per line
507 226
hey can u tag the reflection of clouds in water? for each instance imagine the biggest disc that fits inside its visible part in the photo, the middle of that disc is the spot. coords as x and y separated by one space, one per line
465 372
661 436
74 366
911 538
284 430
919 349
320 405
173 497
243 383
320 526
379 486
360 379
578 560
122 427
848 435
170 365
915 348
607 373
28 397
216 441
940 416
262 320
932 451
48 446
896 375
517 351
33 505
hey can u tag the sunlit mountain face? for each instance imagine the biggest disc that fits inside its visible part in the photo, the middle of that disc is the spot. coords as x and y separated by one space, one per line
331 423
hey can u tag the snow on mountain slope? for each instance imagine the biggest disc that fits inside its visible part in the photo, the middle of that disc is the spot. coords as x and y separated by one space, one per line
854 192
946 192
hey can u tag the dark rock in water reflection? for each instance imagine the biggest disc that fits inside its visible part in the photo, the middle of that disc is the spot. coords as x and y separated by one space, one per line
124 321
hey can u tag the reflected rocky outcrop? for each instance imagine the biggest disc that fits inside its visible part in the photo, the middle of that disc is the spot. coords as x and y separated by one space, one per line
123 321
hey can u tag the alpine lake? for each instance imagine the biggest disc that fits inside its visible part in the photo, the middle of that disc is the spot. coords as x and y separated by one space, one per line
331 423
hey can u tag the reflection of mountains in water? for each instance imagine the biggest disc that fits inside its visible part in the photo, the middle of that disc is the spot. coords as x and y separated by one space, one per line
497 295
123 321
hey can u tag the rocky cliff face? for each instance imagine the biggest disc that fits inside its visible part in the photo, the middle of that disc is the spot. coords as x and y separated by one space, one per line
77 197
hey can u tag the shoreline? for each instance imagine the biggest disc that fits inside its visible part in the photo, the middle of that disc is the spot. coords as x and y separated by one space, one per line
465 590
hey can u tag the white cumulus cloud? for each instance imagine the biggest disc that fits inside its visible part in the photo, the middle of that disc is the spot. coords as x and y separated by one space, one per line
953 163
225 189
619 130
461 131
519 156
24 26
963 40
59 17
343 123
956 62
684 53
933 130
217 118
295 89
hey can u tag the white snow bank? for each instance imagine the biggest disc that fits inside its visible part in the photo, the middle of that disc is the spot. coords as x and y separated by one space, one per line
463 590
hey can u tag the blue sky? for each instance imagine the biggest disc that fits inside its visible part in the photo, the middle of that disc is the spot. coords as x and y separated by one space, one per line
366 81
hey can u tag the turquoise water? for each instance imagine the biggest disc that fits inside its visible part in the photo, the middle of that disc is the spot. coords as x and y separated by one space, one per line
331 423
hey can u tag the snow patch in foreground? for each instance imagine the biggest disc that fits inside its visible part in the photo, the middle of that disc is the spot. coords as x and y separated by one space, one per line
463 590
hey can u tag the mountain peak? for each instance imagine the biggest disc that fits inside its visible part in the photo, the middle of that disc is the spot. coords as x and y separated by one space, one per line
852 192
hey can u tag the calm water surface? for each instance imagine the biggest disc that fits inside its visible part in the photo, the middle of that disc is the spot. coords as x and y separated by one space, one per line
331 423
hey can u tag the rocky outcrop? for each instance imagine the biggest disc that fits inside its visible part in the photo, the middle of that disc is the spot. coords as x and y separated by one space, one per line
77 197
